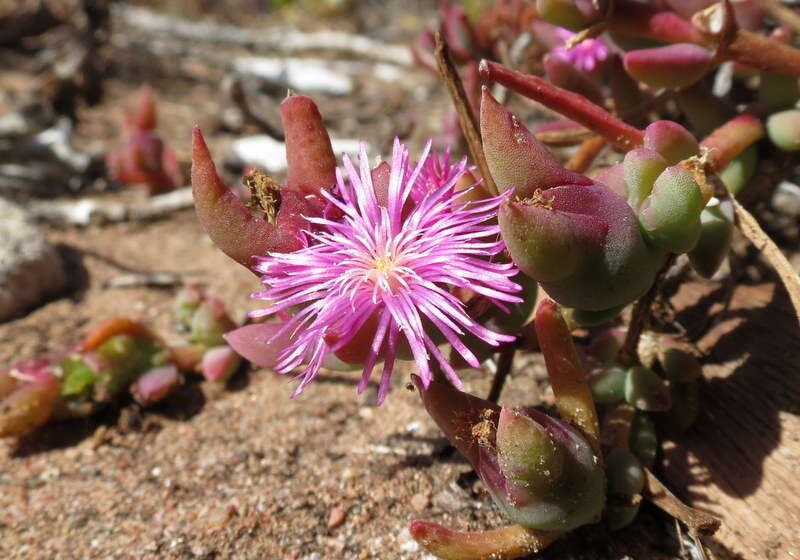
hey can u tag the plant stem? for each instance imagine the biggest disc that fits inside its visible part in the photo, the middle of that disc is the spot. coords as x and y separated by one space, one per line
569 104
761 241
628 354
504 363
567 377
730 139
586 154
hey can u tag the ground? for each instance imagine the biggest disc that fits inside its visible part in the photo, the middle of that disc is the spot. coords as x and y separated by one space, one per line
249 473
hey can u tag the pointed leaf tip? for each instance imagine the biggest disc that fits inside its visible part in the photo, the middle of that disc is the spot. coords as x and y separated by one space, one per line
311 163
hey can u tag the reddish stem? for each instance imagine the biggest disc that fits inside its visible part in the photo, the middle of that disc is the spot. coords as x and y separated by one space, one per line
569 104
730 139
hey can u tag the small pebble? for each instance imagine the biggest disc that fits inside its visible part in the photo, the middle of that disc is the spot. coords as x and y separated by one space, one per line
420 502
337 517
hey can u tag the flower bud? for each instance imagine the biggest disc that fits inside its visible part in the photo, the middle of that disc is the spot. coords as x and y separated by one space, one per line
783 130
576 237
541 472
219 363
553 480
581 243
645 390
515 158
670 215
674 66
155 384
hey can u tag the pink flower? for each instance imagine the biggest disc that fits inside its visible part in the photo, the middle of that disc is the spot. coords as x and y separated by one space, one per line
381 276
585 55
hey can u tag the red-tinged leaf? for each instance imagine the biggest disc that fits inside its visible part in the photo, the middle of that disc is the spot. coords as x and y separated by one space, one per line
515 158
29 406
674 66
309 155
113 327
573 395
257 343
229 223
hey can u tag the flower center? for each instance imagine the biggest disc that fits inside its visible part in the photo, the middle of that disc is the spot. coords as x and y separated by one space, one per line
384 273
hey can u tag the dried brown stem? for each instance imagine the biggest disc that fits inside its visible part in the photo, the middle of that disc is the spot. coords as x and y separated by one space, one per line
466 117
718 27
586 154
628 354
761 241
785 15
698 522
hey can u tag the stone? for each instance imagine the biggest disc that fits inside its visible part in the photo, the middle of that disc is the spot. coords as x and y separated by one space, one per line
31 270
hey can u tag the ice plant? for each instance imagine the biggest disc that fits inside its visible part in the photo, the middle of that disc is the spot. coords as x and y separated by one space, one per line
378 280
143 159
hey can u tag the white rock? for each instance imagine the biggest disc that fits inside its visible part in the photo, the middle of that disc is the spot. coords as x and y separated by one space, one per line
306 75
30 268
269 154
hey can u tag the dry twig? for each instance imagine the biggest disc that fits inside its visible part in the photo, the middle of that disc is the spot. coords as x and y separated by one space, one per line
467 119
761 241
698 522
